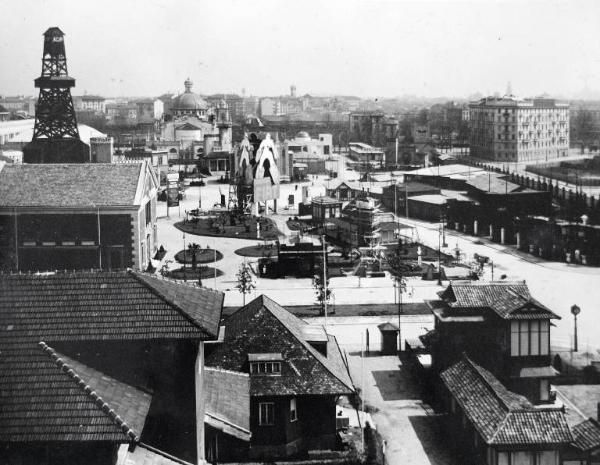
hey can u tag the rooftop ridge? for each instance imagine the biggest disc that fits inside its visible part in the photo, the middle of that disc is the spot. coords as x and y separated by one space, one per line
160 277
88 390
223 370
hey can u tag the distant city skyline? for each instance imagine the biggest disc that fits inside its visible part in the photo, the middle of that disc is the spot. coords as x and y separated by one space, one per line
369 49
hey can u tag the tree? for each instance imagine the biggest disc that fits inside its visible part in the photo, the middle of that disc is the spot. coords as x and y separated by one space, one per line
193 249
399 268
322 289
582 127
245 280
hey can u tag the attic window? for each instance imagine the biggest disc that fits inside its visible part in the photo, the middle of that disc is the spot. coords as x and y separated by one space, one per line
265 368
265 364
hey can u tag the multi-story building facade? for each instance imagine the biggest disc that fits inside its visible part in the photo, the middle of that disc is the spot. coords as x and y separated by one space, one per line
270 107
513 130
93 103
83 216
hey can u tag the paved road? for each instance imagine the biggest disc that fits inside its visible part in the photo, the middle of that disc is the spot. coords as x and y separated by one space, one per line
413 433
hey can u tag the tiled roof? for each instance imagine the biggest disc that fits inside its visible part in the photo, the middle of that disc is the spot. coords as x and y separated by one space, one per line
44 398
264 326
587 435
508 299
120 305
69 185
228 401
500 416
49 397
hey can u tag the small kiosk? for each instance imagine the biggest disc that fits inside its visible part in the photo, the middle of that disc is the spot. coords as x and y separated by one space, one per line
389 338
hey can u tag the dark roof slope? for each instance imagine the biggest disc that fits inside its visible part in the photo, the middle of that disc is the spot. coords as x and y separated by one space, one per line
500 416
263 326
119 305
508 299
69 185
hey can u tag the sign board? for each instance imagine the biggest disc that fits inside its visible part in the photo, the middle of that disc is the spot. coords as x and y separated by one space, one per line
172 177
265 190
173 196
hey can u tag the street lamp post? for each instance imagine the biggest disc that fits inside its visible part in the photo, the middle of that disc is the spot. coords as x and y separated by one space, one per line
575 310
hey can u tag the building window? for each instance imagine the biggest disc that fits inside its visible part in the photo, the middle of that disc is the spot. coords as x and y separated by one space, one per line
266 413
293 410
265 367
529 338
148 210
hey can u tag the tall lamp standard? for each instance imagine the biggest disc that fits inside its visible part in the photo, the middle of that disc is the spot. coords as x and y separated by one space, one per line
575 310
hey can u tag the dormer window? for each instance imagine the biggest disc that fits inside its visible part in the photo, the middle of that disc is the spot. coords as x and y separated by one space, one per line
265 364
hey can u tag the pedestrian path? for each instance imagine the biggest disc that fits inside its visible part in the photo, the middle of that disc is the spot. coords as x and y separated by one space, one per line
412 432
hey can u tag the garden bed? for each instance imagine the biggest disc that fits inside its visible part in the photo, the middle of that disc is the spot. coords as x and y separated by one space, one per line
202 256
189 274
230 226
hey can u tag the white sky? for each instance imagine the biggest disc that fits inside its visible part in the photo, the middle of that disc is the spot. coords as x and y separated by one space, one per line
369 48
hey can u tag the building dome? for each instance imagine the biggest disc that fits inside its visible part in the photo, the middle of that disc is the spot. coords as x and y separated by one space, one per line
303 135
189 101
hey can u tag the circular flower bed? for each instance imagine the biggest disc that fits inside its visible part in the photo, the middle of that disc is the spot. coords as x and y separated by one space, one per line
202 256
188 274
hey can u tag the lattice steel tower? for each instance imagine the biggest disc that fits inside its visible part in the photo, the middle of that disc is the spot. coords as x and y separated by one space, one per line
55 134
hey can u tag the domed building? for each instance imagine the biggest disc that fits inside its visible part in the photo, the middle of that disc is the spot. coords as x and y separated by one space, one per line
202 130
189 103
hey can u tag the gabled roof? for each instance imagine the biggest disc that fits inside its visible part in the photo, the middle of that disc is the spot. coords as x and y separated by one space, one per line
508 299
263 326
188 127
70 185
46 396
500 416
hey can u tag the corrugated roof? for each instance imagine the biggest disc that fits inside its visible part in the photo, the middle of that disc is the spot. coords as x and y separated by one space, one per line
69 185
264 326
500 416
